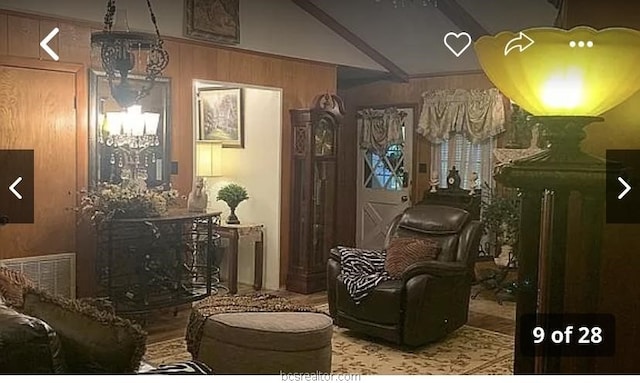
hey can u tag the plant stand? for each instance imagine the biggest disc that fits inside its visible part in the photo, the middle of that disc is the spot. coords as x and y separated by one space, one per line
497 281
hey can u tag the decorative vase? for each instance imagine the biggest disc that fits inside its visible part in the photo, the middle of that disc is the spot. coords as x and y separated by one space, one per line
505 255
233 218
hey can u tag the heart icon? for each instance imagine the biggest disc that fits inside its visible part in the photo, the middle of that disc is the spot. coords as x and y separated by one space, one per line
457 39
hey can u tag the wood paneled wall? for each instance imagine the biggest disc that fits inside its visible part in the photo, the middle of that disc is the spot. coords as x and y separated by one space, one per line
300 80
389 93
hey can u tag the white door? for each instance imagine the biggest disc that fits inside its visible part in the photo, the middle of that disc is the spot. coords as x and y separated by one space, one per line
383 180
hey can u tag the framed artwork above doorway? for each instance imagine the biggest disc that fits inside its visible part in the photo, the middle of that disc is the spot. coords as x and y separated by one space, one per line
220 116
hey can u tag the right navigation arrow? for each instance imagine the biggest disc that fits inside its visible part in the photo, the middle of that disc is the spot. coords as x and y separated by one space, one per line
627 187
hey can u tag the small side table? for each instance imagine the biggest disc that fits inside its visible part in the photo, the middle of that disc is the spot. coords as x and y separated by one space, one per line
234 233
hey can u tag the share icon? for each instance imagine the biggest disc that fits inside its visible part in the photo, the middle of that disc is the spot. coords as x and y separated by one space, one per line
521 42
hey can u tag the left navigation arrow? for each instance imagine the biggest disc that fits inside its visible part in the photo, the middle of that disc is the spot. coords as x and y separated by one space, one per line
13 190
44 43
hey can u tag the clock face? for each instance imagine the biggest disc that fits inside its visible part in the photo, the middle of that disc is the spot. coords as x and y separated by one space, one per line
324 140
451 180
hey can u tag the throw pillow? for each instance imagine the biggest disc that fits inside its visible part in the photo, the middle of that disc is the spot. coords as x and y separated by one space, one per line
403 252
12 285
93 341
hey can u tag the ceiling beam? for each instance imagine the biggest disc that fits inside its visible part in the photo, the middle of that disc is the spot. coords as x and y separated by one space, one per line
353 82
396 72
461 18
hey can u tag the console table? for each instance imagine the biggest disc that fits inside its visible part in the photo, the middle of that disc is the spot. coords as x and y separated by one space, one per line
150 263
252 232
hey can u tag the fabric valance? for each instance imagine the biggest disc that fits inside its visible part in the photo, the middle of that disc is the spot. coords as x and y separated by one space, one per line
478 114
381 128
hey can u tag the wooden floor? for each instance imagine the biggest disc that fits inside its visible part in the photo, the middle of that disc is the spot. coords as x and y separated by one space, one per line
172 324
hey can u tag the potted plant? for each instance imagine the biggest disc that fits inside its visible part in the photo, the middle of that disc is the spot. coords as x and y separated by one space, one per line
501 220
232 194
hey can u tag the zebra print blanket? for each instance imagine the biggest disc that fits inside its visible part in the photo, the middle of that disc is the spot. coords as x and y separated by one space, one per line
362 270
185 368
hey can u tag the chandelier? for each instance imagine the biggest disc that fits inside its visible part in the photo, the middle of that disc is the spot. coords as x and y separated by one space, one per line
406 3
132 128
131 137
121 51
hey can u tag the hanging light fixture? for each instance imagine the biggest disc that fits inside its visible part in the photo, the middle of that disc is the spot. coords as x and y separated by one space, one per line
121 50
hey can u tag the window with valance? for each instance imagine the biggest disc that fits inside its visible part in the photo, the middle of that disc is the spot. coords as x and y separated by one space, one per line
461 126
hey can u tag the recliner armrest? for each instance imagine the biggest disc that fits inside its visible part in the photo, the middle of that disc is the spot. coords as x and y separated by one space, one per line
334 254
435 268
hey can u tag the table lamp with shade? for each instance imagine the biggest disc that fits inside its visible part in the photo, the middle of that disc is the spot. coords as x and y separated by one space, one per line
566 79
208 159
208 164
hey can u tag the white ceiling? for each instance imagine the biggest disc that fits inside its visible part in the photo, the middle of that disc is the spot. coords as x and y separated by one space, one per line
412 37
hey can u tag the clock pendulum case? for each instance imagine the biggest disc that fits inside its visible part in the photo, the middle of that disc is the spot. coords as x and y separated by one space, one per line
314 192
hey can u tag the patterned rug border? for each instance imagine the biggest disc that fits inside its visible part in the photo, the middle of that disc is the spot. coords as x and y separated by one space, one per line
506 336
497 361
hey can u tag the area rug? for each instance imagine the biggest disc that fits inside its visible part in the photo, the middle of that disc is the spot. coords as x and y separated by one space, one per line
506 310
469 350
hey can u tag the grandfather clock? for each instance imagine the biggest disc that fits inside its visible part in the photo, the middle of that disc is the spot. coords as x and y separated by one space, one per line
314 192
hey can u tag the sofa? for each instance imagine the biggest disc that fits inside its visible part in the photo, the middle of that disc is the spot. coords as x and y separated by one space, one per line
42 333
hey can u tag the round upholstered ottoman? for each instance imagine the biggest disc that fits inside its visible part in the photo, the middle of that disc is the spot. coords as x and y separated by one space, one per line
267 343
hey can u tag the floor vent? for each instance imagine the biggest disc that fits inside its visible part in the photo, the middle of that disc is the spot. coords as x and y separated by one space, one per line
55 274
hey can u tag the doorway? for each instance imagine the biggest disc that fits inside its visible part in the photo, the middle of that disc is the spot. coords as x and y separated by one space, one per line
253 162
384 171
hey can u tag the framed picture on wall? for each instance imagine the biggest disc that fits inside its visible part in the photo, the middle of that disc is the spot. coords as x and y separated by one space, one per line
213 20
220 116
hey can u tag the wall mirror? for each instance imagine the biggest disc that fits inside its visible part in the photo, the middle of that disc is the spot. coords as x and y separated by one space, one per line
130 144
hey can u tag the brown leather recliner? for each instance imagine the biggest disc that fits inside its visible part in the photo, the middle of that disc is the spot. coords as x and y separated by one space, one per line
432 298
